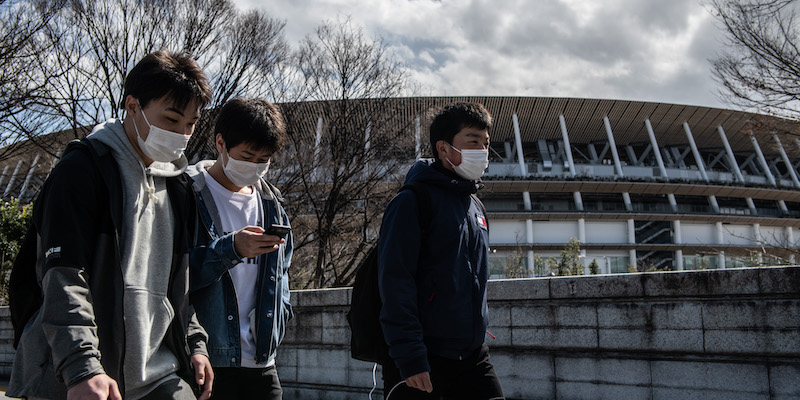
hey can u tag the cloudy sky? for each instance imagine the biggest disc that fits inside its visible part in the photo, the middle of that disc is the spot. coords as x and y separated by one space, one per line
651 50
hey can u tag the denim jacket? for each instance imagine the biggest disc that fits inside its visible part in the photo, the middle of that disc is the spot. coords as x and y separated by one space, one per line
211 287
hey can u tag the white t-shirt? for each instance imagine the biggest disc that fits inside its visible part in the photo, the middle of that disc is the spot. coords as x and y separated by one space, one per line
237 210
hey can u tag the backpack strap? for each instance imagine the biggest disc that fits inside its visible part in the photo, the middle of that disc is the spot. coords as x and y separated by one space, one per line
424 205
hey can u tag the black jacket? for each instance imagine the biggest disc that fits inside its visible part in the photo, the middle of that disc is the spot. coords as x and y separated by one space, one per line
77 216
433 286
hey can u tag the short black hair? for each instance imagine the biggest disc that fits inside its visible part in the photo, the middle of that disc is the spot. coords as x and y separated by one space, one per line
452 118
256 122
162 73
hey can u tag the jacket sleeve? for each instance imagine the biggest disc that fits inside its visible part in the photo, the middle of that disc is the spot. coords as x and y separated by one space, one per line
209 257
288 251
196 336
69 229
398 258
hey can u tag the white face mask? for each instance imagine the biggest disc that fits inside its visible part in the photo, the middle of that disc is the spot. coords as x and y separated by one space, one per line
243 173
473 163
161 145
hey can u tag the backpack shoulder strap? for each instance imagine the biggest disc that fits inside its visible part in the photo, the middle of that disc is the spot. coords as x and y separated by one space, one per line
424 204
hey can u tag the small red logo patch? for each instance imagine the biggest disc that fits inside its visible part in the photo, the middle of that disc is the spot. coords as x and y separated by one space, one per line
482 221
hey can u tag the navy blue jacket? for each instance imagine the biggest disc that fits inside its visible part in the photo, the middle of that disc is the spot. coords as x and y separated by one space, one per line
433 284
212 291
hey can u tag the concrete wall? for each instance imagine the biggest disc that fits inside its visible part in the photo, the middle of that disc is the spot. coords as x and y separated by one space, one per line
722 334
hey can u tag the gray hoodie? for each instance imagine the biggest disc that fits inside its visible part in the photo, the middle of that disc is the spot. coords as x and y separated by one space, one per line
146 253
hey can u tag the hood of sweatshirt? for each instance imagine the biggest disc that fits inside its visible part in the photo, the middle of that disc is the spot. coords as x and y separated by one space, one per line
112 134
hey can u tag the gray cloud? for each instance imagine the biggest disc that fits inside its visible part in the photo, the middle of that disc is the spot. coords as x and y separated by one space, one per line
650 50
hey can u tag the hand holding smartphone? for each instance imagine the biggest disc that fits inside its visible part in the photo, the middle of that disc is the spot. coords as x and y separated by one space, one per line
278 230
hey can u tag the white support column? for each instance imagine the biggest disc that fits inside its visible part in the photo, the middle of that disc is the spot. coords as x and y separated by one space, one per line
787 162
570 161
758 240
578 200
632 240
790 243
613 146
582 239
531 258
317 149
656 149
672 202
418 139
720 241
714 205
751 205
523 168
763 161
3 175
13 178
678 239
783 207
29 175
367 145
567 147
698 158
526 196
626 198
731 156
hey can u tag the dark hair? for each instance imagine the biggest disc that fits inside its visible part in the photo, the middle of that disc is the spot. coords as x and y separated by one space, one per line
256 122
452 118
162 73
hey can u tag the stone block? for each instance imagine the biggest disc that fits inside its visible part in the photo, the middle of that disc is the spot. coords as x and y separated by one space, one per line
784 381
763 342
286 362
500 336
588 287
555 338
608 371
776 280
321 297
714 377
305 327
360 374
524 375
707 283
499 316
580 315
593 391
518 289
322 366
533 316
700 394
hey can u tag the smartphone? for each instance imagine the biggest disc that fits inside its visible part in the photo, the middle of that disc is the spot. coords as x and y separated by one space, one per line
278 230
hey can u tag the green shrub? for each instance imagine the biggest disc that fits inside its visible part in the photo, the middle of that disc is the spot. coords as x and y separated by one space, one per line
14 220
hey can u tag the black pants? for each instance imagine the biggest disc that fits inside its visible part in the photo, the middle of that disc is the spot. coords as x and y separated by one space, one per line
470 378
246 383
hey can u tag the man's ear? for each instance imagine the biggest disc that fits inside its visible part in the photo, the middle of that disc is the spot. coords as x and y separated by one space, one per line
220 143
442 149
131 104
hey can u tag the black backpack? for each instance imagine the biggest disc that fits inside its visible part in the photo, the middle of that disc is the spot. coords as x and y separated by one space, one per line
366 335
24 290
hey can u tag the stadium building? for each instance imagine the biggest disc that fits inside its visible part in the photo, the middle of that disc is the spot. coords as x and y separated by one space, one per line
641 185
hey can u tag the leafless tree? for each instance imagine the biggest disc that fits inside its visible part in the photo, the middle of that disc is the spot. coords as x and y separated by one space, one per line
345 173
760 66
86 47
21 86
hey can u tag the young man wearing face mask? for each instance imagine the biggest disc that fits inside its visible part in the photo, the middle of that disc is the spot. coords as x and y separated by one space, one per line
432 273
113 224
239 284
